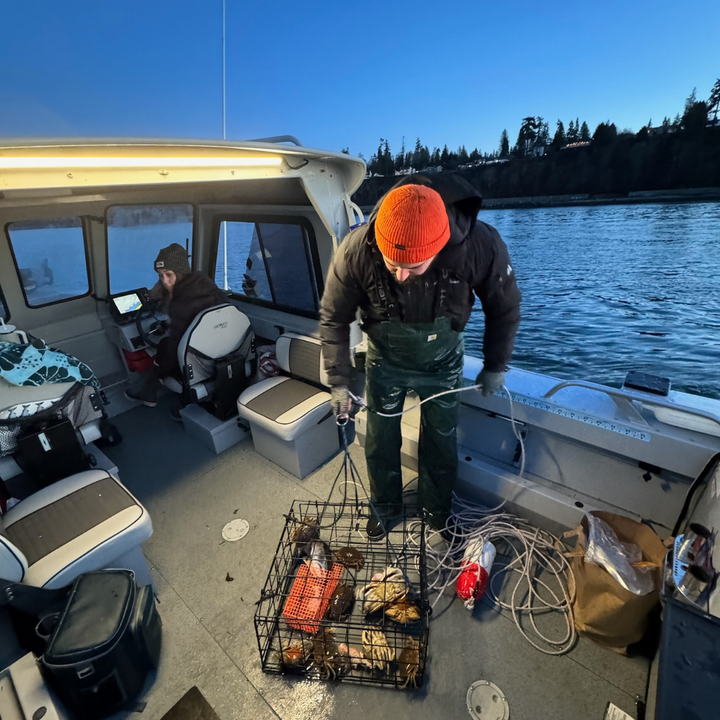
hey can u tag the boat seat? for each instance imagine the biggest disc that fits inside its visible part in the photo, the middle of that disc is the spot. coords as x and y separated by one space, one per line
218 333
85 522
290 416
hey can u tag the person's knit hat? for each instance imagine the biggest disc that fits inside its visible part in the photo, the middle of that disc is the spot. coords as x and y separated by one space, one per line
173 257
412 224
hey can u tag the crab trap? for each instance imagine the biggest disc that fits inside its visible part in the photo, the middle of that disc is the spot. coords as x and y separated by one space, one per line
336 606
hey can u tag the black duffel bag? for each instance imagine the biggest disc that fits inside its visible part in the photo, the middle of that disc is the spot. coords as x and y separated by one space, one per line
104 644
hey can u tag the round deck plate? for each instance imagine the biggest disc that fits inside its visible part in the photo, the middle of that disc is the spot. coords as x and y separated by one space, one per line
235 530
485 701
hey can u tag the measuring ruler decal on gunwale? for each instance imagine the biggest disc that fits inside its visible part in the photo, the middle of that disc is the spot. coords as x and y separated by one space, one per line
582 417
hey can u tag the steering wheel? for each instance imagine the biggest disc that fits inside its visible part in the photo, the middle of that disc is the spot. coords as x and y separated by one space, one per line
156 331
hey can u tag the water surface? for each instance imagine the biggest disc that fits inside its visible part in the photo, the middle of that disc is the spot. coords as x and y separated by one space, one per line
607 289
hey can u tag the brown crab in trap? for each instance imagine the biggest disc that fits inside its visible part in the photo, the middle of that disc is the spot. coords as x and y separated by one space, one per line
326 655
341 603
409 663
295 654
385 588
305 531
403 611
350 558
376 649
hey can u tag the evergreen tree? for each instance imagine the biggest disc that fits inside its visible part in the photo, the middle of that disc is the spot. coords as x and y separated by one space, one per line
559 139
584 132
666 123
504 144
572 135
417 155
605 133
400 159
474 155
527 136
434 160
462 155
713 103
388 163
445 157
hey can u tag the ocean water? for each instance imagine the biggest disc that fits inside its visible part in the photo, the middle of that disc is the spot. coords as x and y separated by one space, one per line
607 289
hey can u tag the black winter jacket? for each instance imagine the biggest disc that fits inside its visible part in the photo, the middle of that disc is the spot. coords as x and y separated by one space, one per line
475 260
191 295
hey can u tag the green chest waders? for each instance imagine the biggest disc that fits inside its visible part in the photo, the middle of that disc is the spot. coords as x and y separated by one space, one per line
426 358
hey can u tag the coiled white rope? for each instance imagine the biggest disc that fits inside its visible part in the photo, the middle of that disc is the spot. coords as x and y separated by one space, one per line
530 552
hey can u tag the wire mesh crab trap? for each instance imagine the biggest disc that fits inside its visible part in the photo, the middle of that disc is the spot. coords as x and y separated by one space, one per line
336 606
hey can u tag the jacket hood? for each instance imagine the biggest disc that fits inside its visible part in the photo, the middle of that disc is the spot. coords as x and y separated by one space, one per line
462 201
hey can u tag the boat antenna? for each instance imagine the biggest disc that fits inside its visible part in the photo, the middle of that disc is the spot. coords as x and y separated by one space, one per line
224 137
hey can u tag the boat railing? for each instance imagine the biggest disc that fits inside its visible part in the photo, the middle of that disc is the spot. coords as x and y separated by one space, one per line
623 398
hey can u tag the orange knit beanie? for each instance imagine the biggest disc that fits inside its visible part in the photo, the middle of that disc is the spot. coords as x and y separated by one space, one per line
412 224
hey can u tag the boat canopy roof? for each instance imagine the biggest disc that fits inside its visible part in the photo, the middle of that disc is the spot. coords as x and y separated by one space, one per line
77 163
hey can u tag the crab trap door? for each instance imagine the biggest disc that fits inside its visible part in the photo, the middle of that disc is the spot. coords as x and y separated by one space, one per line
361 616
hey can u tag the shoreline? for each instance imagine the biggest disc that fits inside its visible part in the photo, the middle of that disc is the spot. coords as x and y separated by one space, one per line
632 198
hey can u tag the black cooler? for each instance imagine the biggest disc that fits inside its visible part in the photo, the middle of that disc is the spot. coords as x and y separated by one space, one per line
104 644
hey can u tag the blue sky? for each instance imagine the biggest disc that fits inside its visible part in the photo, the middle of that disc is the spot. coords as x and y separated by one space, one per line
340 74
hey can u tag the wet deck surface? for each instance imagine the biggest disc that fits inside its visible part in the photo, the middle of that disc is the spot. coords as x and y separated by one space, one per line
209 637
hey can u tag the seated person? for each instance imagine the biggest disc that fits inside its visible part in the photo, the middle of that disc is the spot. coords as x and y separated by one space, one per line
182 294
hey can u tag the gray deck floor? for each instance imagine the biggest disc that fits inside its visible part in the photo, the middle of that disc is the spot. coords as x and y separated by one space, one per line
209 639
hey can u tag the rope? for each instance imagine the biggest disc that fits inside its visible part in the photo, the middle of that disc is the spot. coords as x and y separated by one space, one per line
532 553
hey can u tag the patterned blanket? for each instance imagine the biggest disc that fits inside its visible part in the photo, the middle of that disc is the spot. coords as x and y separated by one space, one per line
36 364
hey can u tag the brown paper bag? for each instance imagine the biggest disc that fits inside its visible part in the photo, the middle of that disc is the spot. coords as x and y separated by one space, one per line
604 610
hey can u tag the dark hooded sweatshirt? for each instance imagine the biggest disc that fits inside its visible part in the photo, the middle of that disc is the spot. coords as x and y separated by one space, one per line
475 261
191 295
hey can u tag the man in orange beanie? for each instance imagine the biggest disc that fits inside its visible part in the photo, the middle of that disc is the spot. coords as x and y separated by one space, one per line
412 271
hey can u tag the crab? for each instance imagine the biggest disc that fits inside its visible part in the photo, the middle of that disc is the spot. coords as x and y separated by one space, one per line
403 611
409 663
305 531
297 653
385 588
326 655
353 657
350 558
341 602
376 648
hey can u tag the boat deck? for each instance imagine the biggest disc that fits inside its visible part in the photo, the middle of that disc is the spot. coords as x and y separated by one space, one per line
209 638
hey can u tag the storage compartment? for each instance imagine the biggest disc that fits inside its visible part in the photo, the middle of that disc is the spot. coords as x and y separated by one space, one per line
305 453
216 435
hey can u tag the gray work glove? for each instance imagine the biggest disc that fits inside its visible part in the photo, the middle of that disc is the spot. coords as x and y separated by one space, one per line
340 402
491 381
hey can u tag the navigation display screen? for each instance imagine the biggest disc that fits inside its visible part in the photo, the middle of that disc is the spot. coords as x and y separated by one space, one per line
127 303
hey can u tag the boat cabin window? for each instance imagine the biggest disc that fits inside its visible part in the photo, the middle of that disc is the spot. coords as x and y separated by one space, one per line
135 236
4 312
269 262
51 259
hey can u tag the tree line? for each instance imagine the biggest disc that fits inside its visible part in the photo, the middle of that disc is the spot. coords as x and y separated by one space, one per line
534 139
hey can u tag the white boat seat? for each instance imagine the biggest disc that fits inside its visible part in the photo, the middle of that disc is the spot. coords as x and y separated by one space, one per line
82 523
214 334
290 417
284 406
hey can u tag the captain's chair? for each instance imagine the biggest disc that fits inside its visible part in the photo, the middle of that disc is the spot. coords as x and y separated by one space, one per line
216 356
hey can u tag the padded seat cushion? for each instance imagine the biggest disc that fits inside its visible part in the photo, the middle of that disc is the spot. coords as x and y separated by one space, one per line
284 406
88 518
48 528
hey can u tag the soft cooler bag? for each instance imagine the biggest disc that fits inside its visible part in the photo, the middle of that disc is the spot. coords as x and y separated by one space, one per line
104 644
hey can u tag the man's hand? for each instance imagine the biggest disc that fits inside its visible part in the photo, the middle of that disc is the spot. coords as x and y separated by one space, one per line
341 403
491 382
